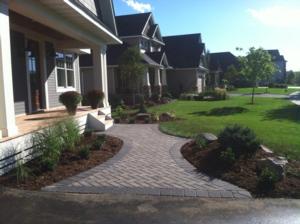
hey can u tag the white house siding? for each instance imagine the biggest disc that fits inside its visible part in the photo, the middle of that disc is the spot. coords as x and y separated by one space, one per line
180 81
87 80
53 93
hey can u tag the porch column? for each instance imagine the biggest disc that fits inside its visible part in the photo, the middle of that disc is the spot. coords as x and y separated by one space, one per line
7 111
157 82
100 71
146 84
164 81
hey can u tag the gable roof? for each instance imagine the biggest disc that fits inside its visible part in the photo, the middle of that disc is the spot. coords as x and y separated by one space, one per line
221 60
159 57
132 25
184 51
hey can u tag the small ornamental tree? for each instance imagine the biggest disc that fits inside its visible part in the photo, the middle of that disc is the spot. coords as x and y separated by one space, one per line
256 66
131 69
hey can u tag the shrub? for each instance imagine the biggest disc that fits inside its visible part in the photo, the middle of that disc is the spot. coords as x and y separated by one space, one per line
116 101
120 113
22 172
266 181
95 97
188 96
49 144
242 140
278 85
227 157
69 132
155 117
220 94
70 100
131 120
84 152
142 107
200 141
99 141
155 97
167 94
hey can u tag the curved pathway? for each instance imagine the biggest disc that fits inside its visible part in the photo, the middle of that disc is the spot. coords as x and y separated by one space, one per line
149 163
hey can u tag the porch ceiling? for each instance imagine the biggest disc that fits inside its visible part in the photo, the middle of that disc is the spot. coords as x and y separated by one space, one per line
62 41
65 17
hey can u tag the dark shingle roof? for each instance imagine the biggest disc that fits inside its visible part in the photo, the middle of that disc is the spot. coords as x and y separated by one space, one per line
114 52
276 55
184 51
152 30
131 25
221 61
156 56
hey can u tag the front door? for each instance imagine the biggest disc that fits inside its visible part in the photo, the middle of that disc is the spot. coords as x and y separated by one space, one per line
34 75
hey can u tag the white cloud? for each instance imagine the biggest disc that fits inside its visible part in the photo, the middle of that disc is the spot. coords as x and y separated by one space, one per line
138 6
278 16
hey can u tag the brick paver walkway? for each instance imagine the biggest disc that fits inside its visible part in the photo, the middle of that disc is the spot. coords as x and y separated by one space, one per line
150 163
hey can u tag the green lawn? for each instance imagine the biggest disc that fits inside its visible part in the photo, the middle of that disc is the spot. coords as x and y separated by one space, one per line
275 121
263 90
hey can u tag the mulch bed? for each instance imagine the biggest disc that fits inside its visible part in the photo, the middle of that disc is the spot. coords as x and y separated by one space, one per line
70 164
243 172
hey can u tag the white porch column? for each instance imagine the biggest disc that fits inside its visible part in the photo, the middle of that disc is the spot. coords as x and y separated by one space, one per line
157 82
7 111
147 84
100 71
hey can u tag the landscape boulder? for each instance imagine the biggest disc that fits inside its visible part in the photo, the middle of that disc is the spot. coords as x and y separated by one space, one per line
143 116
209 137
275 164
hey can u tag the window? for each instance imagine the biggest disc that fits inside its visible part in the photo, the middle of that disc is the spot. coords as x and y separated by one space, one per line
65 70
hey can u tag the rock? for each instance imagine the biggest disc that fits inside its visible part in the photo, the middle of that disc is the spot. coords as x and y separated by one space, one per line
209 137
266 149
275 164
164 117
143 116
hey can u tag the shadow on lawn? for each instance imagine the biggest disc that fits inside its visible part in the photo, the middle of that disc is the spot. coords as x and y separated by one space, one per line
222 111
289 112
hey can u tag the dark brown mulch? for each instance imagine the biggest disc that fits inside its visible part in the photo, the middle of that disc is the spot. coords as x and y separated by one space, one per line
70 164
243 172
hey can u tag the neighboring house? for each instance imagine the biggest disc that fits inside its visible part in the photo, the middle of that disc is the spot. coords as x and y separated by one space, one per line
141 31
280 75
185 55
39 46
218 65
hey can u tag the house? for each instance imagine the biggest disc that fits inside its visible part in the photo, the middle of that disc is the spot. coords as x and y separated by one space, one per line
280 75
40 43
185 55
140 31
218 65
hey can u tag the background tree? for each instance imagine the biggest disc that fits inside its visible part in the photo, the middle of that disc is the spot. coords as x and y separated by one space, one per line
297 78
257 66
290 78
231 75
131 70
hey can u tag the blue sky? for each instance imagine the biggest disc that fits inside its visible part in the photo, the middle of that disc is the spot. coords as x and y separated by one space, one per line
227 24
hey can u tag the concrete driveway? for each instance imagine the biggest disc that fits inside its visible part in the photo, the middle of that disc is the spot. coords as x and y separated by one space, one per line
42 208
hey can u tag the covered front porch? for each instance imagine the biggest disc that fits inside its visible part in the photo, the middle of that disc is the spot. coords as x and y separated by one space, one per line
40 44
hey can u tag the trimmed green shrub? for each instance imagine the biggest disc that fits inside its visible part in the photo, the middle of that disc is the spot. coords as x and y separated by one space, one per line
241 140
84 152
200 141
227 157
94 98
70 100
116 100
142 107
266 181
121 113
220 94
